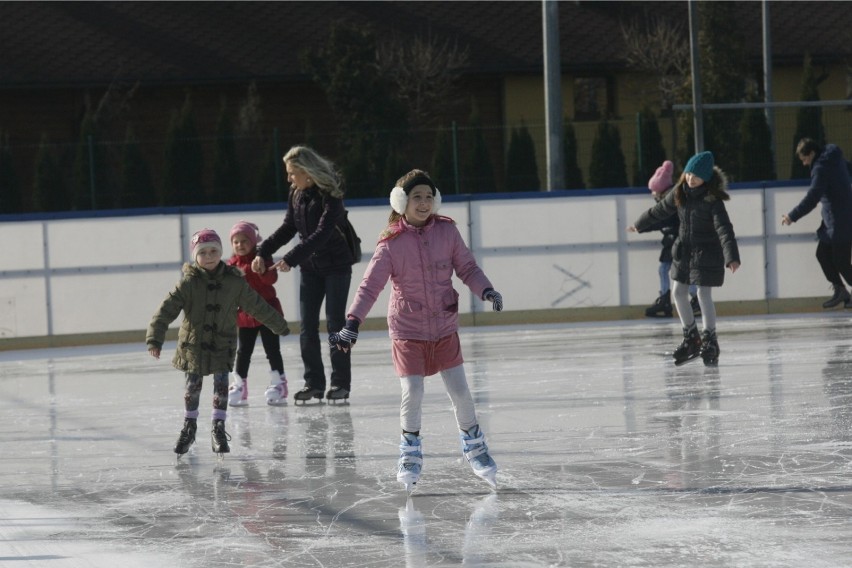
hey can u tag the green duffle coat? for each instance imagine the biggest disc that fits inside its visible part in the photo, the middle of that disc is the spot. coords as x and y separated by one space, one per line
207 340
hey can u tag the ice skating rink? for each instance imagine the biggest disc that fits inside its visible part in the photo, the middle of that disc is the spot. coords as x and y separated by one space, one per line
608 454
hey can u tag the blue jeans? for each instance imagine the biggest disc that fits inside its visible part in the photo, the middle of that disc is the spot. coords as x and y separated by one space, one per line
334 289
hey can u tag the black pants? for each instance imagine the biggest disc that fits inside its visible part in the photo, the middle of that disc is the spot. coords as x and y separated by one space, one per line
835 259
271 345
334 289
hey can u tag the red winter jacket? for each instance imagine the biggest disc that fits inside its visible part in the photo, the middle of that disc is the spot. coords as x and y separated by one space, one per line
262 284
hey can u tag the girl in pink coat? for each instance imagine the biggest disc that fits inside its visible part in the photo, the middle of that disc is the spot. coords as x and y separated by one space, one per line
418 252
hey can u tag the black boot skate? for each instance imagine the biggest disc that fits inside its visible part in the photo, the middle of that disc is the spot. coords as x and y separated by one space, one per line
710 348
696 306
337 394
841 296
690 348
307 393
220 438
661 308
186 437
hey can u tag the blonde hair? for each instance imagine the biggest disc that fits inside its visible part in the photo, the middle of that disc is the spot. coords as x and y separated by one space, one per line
321 170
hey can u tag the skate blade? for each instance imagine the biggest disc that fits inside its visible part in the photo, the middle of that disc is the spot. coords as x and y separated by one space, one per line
491 479
681 363
282 402
410 487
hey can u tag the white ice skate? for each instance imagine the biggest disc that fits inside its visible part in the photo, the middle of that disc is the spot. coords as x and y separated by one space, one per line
276 393
476 452
410 461
238 391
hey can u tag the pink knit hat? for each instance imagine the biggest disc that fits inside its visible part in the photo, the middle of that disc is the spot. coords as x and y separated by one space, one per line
662 178
247 228
205 238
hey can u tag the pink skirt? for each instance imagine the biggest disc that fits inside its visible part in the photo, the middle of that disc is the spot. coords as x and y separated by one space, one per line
418 357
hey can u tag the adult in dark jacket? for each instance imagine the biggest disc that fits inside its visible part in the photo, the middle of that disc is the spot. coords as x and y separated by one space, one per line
705 245
830 186
314 210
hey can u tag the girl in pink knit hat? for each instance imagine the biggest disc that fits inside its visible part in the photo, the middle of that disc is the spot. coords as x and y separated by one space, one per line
244 238
660 183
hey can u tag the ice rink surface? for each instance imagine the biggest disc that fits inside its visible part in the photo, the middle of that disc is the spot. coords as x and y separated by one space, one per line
608 454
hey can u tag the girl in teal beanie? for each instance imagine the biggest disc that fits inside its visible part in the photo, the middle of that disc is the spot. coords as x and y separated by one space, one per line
705 245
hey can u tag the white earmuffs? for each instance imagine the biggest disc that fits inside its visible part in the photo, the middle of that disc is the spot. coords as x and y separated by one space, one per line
399 200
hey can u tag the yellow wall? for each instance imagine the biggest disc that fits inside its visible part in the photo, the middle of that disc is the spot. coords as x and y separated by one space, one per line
524 102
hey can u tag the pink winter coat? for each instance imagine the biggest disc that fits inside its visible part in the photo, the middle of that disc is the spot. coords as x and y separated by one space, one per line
419 261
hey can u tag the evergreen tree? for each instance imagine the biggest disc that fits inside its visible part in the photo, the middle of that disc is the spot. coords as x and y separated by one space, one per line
723 76
183 165
443 170
477 168
137 189
573 174
10 191
226 170
649 152
808 119
49 192
755 160
88 159
521 167
374 125
608 168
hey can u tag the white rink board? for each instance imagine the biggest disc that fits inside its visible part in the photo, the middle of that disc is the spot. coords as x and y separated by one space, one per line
555 251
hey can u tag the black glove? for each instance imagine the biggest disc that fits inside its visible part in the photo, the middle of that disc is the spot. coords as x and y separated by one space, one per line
493 296
346 337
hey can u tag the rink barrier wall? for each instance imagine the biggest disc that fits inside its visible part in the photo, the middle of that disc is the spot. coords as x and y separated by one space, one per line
563 256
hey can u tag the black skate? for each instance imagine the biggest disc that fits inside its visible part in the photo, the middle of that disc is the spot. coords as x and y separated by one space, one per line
307 393
337 394
841 296
186 437
661 308
696 306
710 348
689 349
220 438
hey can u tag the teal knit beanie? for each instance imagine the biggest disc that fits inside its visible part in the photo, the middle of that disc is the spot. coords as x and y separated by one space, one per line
700 165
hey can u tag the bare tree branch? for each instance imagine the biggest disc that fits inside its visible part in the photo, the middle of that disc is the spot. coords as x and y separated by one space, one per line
661 48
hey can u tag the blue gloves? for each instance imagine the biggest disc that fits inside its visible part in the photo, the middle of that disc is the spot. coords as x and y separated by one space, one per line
493 296
346 337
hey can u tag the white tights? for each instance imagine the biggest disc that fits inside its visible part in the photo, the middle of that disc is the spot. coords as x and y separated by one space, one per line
680 294
410 411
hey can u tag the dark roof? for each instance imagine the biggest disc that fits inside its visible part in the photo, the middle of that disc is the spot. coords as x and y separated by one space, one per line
86 43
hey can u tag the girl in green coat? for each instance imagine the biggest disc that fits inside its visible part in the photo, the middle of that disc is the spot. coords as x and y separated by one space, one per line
209 294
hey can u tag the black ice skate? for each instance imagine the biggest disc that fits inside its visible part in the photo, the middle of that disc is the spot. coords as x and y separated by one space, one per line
307 393
841 296
696 306
710 348
337 394
661 308
186 437
219 438
690 348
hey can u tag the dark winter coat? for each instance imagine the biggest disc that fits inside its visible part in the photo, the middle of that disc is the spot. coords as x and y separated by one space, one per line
669 228
263 284
830 186
207 340
705 243
322 249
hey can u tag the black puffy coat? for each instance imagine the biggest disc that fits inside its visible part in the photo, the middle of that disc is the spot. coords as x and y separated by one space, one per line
705 243
322 249
830 186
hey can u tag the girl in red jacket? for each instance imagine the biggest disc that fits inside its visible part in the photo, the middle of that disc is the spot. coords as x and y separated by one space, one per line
419 252
244 239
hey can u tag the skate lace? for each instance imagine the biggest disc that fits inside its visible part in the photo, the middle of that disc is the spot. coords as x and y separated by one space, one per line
185 436
221 435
